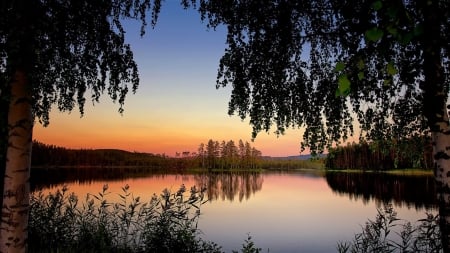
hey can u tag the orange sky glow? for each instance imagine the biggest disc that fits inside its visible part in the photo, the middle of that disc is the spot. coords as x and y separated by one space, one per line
176 106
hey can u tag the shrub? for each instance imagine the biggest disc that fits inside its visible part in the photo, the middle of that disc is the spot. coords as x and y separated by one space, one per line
167 223
380 235
249 246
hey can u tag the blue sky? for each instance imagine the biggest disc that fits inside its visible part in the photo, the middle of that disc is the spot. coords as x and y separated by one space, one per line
176 106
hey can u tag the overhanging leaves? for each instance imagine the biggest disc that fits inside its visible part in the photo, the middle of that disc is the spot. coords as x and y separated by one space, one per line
305 63
343 86
71 47
374 34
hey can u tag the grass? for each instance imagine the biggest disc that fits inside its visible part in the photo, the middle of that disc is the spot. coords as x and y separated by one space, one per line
166 223
60 222
387 233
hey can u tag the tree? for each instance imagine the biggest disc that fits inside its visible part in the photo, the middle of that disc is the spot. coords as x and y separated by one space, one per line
241 148
211 154
248 155
324 64
201 154
51 53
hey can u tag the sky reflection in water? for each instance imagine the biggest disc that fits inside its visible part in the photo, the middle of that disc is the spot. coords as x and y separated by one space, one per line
283 212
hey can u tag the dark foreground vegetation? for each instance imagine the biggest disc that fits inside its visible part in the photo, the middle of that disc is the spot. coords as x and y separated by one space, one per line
61 222
388 233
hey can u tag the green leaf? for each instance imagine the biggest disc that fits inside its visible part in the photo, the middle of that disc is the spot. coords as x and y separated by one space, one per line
392 12
418 30
392 30
406 38
374 34
360 64
390 68
343 86
377 5
339 66
360 75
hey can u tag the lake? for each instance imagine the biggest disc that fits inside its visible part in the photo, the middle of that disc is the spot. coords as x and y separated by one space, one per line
302 211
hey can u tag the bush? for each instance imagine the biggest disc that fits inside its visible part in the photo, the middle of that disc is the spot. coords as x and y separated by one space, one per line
249 246
378 236
167 223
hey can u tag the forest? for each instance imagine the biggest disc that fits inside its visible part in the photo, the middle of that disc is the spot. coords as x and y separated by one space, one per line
411 153
45 155
213 155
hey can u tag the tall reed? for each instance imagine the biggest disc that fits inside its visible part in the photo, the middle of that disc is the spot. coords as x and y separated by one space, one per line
387 233
165 223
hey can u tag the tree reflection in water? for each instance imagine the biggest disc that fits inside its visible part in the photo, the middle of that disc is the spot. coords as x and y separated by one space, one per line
412 191
223 185
229 185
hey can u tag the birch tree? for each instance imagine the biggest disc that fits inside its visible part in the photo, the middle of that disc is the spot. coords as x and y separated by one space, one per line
323 65
51 53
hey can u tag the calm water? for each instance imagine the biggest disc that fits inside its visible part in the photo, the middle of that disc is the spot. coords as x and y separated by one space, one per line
283 212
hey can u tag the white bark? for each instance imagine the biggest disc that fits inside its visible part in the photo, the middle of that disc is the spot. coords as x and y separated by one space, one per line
441 153
14 222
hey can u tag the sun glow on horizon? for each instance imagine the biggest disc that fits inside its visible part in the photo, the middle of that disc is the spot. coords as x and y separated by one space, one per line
177 105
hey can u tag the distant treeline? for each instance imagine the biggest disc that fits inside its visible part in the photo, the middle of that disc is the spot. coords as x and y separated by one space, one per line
213 155
269 163
228 155
51 155
224 155
415 152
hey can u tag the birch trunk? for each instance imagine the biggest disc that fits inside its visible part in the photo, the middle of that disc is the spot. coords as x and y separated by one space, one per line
441 152
14 222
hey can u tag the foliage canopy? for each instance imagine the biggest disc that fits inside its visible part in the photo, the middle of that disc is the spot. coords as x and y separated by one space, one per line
324 64
68 47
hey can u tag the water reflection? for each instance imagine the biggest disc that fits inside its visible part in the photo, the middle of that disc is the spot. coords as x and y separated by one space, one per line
43 178
412 191
293 212
223 185
228 185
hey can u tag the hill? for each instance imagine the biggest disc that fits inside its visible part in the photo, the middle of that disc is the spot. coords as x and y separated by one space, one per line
51 155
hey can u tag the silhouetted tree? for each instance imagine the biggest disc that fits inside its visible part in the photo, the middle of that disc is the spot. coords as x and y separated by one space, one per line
226 155
322 64
52 52
381 155
202 154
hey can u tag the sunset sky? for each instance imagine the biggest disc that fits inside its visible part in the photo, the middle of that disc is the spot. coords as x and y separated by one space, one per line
176 106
